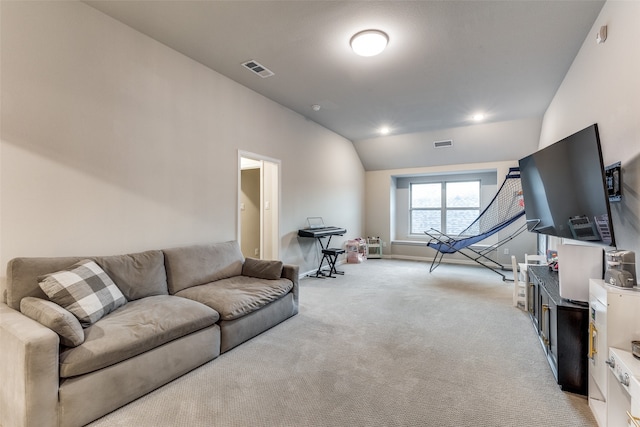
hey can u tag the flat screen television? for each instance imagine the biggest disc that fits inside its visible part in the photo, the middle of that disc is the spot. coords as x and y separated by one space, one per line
565 192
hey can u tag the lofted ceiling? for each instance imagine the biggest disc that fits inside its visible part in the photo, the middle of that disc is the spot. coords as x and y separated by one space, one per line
446 60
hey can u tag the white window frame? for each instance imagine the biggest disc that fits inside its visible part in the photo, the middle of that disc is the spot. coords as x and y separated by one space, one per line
443 205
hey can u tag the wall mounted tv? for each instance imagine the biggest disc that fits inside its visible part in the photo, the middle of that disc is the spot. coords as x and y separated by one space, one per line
564 189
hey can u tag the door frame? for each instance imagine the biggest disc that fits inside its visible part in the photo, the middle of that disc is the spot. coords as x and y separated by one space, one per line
275 190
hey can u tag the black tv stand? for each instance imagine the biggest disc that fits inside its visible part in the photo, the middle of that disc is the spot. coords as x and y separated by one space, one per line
562 327
574 302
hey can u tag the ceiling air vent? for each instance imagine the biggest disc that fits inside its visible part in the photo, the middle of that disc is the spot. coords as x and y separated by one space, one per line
443 144
259 69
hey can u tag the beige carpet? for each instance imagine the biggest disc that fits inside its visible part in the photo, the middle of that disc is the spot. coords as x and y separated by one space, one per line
387 344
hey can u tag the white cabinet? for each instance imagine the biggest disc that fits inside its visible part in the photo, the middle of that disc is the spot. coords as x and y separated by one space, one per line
614 322
622 390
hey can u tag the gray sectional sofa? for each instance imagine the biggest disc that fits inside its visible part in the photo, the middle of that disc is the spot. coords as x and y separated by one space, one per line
145 319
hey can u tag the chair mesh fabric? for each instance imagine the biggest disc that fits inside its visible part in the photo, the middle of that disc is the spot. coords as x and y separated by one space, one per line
507 205
505 208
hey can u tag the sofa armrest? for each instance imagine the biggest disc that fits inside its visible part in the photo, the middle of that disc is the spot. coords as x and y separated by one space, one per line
28 371
292 272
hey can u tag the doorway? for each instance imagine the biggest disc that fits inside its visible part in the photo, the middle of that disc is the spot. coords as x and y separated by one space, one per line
258 206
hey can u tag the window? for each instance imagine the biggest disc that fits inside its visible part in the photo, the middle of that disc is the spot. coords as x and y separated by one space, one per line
414 212
449 207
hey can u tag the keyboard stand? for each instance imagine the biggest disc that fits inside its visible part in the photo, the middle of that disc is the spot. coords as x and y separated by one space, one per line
331 255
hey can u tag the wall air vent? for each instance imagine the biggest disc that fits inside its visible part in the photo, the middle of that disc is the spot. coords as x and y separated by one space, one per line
258 68
443 144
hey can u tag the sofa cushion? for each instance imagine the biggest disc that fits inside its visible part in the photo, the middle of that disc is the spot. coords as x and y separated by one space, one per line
23 273
137 275
85 290
237 296
198 264
137 327
262 269
54 317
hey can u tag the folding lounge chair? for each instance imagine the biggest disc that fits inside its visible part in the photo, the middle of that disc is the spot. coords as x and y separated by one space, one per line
505 209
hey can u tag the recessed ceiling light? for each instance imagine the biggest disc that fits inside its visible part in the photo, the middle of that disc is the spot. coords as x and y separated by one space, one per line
478 117
384 130
369 42
316 107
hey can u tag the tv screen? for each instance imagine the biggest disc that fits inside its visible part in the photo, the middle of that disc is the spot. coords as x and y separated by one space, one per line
564 189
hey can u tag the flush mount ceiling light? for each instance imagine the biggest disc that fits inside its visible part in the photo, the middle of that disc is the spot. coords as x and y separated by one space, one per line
369 42
478 117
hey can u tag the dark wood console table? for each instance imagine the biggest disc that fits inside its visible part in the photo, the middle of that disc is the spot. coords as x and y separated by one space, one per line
563 329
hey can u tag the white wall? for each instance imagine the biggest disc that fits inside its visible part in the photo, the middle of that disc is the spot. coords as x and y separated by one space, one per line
381 212
474 149
114 143
603 86
478 143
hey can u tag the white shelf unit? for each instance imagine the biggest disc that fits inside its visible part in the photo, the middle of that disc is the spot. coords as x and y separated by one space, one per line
374 247
614 322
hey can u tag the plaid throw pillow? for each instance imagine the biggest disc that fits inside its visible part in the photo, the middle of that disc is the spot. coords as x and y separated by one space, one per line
85 290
